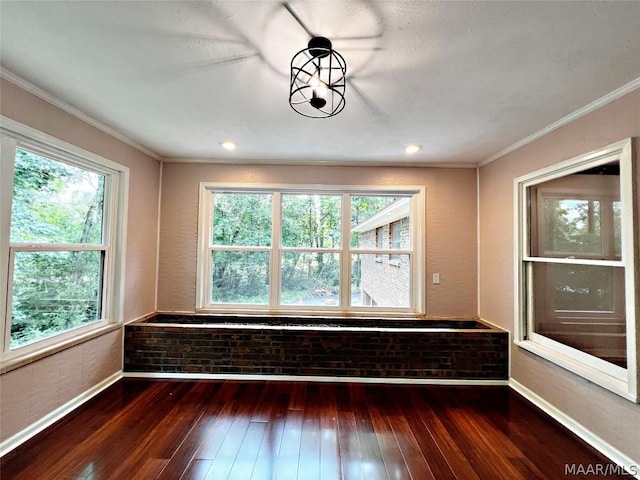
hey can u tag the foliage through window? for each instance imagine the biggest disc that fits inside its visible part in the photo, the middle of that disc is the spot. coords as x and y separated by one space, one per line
61 232
54 205
302 249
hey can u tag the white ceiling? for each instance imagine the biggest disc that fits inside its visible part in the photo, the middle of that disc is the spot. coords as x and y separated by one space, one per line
464 79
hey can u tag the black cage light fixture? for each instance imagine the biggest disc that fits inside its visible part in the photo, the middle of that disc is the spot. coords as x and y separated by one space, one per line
318 78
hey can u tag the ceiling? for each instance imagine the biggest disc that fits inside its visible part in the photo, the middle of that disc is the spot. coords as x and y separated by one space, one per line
465 80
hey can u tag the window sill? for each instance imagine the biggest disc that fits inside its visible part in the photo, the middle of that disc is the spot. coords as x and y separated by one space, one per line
580 368
14 363
336 312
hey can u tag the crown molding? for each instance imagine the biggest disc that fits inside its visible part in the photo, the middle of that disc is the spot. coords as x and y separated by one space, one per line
601 102
315 162
56 102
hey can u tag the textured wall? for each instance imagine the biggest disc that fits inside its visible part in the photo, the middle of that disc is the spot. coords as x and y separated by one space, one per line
32 391
614 419
450 224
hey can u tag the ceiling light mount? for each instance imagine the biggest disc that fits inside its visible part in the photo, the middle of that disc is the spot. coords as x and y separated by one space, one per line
318 79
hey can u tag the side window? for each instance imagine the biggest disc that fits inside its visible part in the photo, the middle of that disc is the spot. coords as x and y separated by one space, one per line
578 302
57 253
576 266
62 236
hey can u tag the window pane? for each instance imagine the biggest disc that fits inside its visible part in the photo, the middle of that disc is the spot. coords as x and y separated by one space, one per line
54 292
578 215
572 226
242 219
311 221
371 220
617 229
240 277
310 278
54 202
379 281
582 306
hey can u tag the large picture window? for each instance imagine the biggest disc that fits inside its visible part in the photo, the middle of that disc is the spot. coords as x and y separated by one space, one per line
296 248
61 238
575 264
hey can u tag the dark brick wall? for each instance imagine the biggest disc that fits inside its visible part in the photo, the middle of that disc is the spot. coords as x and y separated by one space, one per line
193 348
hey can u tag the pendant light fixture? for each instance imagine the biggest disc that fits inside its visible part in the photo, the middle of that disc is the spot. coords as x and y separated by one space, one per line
318 80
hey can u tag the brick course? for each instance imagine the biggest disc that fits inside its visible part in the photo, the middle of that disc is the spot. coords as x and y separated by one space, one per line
216 348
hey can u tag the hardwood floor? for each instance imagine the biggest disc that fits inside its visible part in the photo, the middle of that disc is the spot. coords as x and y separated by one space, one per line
145 429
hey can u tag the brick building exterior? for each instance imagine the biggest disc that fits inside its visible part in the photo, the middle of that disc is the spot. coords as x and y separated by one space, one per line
385 278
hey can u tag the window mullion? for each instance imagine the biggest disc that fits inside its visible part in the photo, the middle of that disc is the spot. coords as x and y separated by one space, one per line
575 261
345 255
383 251
275 261
310 249
57 247
238 248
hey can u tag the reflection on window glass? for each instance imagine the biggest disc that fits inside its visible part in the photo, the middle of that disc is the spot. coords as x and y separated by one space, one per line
374 282
310 278
312 221
242 219
583 307
240 277
578 288
54 292
54 202
578 215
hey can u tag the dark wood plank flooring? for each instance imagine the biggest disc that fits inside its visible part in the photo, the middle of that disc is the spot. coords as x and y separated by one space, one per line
146 429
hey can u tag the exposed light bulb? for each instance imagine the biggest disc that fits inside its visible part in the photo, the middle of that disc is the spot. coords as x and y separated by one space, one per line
319 92
319 87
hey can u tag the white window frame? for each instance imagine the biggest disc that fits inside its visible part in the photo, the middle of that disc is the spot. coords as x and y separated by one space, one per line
418 284
623 381
14 136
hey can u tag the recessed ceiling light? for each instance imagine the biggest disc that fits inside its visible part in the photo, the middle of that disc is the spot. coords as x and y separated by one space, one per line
228 145
412 148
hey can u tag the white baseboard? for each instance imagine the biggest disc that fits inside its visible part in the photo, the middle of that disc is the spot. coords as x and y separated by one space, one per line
615 455
313 378
32 430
